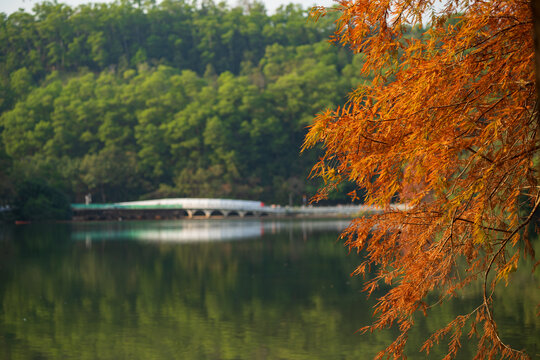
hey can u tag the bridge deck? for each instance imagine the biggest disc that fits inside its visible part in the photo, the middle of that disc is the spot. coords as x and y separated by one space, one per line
207 208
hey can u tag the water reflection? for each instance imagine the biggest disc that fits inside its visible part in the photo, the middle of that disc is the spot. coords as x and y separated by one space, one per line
285 293
197 230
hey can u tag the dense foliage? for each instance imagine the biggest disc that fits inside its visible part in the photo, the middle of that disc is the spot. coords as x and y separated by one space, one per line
451 126
37 201
126 101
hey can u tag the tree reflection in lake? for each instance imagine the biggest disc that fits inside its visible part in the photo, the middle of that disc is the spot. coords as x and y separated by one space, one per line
136 290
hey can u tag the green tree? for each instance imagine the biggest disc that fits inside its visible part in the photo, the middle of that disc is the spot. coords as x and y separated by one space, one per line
111 173
35 200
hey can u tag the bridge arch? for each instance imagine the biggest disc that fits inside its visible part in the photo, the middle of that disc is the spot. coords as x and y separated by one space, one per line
198 212
217 213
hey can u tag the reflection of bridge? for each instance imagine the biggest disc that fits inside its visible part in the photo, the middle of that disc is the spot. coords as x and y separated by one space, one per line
206 208
183 231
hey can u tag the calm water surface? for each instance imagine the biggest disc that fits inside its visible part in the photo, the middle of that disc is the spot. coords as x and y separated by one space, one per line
216 289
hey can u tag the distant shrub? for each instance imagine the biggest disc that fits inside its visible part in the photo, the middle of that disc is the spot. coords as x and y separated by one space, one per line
35 200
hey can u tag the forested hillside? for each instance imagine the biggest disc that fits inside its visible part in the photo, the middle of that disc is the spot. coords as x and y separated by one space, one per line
129 101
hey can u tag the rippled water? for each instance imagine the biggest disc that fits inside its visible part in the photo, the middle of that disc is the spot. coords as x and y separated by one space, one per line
215 289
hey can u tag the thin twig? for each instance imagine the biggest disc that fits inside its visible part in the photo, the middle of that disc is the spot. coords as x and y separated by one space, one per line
505 242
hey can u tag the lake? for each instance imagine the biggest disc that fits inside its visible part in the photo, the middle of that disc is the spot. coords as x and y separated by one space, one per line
209 289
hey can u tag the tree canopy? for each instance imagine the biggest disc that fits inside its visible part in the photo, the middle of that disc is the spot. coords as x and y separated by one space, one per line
449 126
175 99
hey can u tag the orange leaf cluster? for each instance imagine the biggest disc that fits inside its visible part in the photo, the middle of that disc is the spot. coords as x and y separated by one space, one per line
449 126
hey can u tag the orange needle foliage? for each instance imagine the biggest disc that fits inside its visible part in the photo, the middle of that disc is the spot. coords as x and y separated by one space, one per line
448 125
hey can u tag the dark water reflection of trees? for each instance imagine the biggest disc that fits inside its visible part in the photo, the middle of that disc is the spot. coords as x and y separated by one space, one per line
284 294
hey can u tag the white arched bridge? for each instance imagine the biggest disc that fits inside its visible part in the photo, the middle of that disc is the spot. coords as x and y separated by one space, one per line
174 208
207 208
